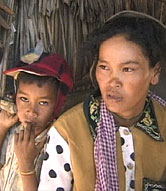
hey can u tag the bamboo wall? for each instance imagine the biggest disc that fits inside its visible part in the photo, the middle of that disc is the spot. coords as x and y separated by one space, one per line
63 25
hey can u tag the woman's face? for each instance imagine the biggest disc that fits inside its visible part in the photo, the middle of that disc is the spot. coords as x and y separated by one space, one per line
124 76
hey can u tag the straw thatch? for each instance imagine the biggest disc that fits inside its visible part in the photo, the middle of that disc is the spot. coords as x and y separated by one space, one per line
63 25
5 26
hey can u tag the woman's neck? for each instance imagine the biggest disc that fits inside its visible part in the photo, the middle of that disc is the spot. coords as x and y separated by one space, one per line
120 121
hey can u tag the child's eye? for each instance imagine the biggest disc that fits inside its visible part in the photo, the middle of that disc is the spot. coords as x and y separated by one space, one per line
43 103
24 99
103 67
127 69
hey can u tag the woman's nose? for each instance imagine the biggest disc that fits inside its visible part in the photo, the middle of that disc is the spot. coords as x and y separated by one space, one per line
114 80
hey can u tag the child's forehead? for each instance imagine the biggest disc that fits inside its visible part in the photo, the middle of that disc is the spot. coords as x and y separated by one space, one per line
40 81
39 84
36 89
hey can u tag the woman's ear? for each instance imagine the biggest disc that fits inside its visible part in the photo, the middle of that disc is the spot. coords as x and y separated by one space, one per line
93 74
156 74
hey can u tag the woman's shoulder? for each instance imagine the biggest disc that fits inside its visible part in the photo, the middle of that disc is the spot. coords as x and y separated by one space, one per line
71 117
73 111
71 122
160 112
159 107
84 108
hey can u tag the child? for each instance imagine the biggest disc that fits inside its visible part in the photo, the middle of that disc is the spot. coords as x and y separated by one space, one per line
42 87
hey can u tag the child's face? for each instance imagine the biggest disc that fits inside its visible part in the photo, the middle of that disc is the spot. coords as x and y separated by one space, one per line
35 104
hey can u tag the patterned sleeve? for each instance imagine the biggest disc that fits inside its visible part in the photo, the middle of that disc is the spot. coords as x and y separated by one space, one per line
56 173
3 151
7 144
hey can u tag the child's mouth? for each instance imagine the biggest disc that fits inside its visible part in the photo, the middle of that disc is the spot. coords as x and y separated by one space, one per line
30 123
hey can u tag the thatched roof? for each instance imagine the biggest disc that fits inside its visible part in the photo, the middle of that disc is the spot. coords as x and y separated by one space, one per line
63 25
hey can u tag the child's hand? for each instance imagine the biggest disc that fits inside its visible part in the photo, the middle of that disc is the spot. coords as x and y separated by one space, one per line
25 148
7 120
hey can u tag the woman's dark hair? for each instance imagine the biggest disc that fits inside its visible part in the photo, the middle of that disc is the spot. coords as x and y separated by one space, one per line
143 31
39 80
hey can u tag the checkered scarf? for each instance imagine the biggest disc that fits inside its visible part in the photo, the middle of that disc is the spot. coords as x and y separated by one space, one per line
105 152
105 149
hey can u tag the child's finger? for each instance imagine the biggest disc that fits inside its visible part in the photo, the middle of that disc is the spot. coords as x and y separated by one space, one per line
3 112
21 135
27 132
16 136
32 135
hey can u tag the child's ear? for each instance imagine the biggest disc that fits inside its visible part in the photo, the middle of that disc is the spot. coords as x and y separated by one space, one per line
156 74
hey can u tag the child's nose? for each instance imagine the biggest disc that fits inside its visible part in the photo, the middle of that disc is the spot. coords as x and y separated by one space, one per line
31 112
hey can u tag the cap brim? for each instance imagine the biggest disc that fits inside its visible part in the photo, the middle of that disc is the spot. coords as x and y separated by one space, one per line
15 71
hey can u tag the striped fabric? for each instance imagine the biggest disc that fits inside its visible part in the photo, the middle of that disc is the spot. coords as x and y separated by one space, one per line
105 152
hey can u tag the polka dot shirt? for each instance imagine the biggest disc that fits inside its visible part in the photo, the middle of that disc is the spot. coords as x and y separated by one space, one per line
128 157
56 173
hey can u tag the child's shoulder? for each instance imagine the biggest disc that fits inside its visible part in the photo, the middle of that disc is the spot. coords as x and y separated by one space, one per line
9 138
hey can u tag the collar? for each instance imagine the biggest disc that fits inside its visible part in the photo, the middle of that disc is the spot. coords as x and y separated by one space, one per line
147 121
40 138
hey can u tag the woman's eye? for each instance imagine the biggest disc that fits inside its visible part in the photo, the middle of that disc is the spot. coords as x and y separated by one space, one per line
103 67
128 69
43 103
24 99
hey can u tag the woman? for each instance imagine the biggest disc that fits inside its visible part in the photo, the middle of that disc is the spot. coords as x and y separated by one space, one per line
116 140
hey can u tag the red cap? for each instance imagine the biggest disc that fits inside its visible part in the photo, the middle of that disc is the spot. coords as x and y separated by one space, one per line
49 65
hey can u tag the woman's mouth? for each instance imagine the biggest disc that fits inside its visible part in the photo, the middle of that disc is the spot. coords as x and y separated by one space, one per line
115 98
